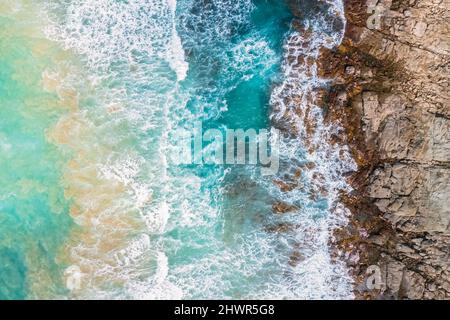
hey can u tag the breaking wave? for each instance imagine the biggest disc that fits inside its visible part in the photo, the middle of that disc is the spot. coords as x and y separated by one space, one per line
150 229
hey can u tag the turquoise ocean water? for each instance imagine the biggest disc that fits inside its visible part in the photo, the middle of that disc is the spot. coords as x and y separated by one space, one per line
92 202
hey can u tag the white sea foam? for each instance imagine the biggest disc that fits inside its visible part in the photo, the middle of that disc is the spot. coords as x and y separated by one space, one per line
157 217
127 46
249 56
109 32
318 276
176 58
157 287
133 251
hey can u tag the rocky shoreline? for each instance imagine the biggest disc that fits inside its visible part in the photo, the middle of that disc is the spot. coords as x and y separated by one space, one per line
391 95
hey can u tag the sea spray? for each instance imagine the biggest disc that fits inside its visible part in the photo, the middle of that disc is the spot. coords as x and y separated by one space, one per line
126 48
314 167
177 58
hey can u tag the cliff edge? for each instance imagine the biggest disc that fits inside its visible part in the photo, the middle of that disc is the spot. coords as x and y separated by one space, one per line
392 96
